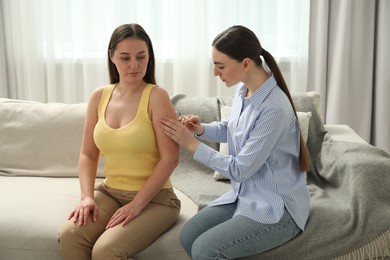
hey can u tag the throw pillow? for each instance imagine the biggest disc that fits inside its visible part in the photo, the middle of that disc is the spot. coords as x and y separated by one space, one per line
225 110
303 119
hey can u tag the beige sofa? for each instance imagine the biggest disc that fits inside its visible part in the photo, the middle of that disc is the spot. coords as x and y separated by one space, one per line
39 147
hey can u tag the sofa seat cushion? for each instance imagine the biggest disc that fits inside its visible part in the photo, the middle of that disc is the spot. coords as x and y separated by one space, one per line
33 209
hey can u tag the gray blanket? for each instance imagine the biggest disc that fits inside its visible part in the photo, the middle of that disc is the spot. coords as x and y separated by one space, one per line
350 203
349 186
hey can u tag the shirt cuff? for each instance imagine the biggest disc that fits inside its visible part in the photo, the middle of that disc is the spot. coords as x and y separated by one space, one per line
206 133
203 153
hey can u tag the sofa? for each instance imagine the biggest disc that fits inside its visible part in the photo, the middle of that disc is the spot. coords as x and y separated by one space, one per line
39 147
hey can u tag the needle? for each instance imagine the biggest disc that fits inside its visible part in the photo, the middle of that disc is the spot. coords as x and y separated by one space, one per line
181 115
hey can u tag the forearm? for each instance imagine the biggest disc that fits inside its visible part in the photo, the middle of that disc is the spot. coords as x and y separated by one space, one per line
87 175
155 182
213 132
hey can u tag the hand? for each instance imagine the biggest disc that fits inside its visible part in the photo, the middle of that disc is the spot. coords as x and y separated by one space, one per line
179 133
191 122
124 215
82 211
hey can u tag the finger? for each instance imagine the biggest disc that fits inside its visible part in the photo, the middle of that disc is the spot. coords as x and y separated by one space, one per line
127 220
169 130
94 214
191 124
71 215
80 217
85 216
75 216
111 223
170 122
171 133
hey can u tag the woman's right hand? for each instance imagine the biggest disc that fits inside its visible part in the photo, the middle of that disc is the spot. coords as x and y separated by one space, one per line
193 123
81 213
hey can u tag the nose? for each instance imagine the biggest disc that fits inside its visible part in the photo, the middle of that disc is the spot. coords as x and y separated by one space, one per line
216 72
133 64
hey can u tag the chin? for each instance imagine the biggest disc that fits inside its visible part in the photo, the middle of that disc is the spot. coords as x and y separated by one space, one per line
230 84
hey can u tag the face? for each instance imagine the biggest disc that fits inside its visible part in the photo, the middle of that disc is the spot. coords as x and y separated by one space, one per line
131 59
227 69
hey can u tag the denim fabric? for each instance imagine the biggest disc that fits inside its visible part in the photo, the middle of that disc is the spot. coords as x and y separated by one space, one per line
214 233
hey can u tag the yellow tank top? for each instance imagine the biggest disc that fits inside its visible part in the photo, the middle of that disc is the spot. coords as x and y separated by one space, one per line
130 152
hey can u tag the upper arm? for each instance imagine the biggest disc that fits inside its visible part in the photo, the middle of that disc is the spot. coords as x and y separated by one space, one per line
88 146
160 106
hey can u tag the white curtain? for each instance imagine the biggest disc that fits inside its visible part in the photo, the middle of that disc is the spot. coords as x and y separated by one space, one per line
55 50
3 65
349 65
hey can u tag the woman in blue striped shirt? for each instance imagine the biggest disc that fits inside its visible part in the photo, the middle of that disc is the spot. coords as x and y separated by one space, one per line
268 204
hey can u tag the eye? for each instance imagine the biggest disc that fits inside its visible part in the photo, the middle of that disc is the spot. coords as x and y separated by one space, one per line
125 58
221 67
140 57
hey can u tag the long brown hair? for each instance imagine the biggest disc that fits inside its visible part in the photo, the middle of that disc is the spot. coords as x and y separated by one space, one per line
121 33
238 42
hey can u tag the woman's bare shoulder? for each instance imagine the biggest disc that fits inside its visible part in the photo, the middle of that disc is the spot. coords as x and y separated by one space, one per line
160 95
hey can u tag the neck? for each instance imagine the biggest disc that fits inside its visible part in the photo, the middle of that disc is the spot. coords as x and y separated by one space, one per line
255 78
124 88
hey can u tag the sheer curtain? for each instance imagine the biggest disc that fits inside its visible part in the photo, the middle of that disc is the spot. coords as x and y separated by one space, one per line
55 51
3 66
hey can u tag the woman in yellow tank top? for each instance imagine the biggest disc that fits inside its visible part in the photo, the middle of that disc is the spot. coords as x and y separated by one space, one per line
116 218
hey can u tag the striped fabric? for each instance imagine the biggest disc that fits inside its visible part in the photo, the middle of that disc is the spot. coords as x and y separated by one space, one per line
262 134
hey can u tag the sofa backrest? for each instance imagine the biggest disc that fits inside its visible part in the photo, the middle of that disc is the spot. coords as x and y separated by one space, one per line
40 139
44 139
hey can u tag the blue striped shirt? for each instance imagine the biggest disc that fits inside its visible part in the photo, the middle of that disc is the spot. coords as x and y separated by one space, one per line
262 134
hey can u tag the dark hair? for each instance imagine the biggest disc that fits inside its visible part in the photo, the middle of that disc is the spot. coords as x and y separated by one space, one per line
238 42
121 33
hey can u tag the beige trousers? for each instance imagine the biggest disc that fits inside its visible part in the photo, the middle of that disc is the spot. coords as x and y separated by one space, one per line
93 241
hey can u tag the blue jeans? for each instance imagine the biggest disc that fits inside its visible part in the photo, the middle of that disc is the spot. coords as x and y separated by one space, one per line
214 233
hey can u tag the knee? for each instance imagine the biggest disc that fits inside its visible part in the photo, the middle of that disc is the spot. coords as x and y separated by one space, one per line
104 251
72 243
187 238
100 252
202 249
66 235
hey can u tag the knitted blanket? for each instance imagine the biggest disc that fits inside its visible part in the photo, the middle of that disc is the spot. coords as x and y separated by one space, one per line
350 206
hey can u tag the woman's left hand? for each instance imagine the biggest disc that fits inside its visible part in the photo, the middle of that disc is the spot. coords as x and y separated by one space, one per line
123 215
179 133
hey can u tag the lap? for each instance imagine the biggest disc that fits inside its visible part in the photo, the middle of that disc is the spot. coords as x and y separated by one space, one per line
153 221
157 217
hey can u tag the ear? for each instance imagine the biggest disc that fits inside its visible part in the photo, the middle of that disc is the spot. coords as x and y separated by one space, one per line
247 63
111 54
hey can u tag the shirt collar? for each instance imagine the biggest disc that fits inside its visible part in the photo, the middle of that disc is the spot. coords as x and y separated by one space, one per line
261 93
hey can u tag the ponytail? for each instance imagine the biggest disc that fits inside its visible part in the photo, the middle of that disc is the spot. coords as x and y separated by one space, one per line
304 161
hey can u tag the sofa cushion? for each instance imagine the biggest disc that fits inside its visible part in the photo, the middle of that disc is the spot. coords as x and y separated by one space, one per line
40 139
